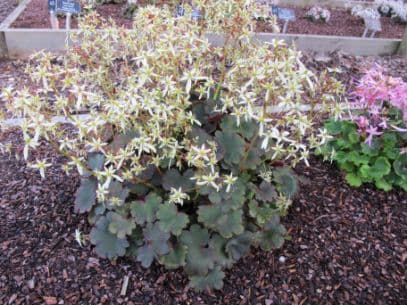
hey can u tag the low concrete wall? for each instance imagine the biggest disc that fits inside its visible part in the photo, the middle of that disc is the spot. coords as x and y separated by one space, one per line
23 42
326 44
323 3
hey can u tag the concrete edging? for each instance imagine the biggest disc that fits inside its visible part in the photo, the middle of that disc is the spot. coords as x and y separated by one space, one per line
23 42
323 3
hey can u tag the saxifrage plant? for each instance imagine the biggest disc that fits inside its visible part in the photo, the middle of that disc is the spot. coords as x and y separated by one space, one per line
371 145
186 148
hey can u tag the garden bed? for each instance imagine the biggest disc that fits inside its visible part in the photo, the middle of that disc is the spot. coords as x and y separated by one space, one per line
347 247
342 23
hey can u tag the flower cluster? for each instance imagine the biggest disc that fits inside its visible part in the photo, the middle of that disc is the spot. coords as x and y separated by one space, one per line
396 9
318 14
166 68
375 94
365 12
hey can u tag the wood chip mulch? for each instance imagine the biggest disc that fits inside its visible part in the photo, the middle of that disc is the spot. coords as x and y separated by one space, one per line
6 7
348 247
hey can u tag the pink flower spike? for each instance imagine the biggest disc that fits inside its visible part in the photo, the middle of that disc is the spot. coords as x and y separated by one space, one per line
383 124
362 122
371 131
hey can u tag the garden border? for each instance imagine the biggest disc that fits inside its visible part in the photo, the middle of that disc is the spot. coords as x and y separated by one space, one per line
17 43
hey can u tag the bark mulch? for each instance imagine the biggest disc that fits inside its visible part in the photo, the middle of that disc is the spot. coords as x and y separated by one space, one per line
348 247
6 7
342 23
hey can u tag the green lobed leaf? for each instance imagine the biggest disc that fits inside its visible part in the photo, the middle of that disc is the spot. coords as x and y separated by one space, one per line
175 258
353 179
212 280
272 236
239 246
95 162
145 211
108 245
116 190
232 200
286 181
170 220
382 184
226 223
263 213
266 192
199 255
145 255
333 127
173 179
85 197
156 244
120 225
138 189
354 137
232 145
121 140
357 158
400 165
246 128
218 244
370 150
136 240
200 135
253 158
382 166
347 166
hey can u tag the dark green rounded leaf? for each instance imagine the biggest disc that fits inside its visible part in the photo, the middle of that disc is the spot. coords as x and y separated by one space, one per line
86 195
108 245
170 220
212 280
400 166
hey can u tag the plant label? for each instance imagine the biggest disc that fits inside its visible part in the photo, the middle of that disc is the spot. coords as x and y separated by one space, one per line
285 14
373 24
68 7
52 5
196 14
274 9
179 11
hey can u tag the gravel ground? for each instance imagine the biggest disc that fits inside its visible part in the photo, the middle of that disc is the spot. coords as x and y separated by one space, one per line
6 7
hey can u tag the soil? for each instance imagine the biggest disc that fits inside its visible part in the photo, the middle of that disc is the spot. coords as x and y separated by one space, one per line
342 23
348 247
6 7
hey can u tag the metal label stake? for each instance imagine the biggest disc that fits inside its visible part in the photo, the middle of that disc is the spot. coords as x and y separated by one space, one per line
52 14
68 27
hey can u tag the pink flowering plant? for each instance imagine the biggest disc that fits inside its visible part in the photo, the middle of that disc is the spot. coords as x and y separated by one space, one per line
370 145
